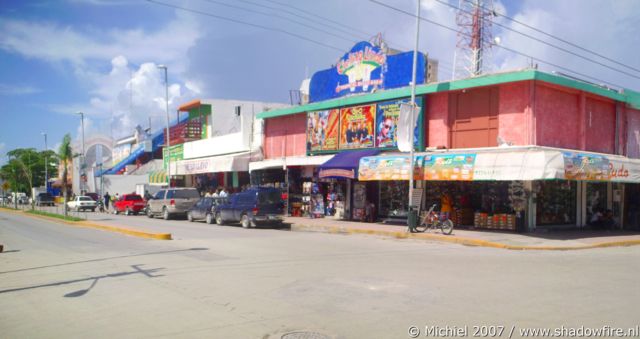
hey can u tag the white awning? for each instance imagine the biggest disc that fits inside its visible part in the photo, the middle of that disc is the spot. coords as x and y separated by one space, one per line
504 164
238 162
289 161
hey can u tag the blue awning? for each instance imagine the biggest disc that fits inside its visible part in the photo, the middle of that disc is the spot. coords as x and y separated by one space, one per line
345 164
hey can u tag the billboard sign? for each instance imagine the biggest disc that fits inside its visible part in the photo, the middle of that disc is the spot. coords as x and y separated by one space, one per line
322 130
357 127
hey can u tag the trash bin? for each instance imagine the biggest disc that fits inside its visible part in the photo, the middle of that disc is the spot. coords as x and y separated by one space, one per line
412 218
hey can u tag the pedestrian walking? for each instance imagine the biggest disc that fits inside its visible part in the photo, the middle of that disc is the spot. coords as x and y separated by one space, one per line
106 199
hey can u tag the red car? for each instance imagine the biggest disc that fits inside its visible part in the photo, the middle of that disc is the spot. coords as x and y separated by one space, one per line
129 204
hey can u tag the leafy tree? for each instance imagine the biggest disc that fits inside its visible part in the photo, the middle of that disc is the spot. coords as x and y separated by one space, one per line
65 154
26 168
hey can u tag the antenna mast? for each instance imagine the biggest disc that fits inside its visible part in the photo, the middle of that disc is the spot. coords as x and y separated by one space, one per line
475 38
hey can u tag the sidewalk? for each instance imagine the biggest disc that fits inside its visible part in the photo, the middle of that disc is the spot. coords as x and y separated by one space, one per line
565 240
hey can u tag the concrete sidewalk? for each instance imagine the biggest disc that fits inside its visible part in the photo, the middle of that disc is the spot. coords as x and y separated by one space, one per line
565 240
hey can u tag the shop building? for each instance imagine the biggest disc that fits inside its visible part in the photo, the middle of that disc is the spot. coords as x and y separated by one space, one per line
523 149
215 142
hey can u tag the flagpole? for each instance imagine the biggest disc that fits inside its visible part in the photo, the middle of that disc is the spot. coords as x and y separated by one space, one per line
412 217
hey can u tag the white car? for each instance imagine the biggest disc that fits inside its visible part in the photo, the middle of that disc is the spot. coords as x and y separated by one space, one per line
82 203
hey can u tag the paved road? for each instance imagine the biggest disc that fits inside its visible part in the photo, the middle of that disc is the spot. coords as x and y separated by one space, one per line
58 281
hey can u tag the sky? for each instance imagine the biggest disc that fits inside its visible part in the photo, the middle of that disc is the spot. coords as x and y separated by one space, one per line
100 57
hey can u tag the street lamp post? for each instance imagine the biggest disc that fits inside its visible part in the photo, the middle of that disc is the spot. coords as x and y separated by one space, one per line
168 135
82 164
412 211
46 165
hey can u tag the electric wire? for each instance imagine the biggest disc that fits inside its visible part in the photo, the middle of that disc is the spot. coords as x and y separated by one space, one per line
499 46
545 42
273 29
559 39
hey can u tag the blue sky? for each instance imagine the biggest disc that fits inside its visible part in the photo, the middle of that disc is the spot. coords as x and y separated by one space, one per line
100 57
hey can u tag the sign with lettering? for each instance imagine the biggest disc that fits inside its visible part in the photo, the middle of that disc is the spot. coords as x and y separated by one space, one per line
357 127
449 167
388 114
580 166
389 168
365 68
322 130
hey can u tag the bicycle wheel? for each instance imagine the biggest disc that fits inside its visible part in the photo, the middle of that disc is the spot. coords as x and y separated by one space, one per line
421 228
446 227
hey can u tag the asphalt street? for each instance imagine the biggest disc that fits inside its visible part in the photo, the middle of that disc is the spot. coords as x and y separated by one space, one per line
59 281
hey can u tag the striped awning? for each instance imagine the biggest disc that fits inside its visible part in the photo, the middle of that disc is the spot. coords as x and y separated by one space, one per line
158 178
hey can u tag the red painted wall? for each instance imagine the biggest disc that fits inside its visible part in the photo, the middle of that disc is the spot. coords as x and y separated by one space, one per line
285 136
437 120
633 133
512 118
600 124
557 117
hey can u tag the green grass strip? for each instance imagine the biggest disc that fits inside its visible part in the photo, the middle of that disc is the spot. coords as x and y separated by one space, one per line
54 215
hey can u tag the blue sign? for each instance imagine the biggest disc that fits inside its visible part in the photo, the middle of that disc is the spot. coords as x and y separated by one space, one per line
363 69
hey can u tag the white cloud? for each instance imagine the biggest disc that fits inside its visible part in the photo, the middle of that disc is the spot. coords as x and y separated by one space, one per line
6 89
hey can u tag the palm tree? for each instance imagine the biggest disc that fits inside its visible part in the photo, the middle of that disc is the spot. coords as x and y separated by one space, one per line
65 154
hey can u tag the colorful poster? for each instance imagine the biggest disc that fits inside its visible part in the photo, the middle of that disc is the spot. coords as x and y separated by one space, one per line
449 167
357 127
579 166
177 153
322 130
388 114
389 168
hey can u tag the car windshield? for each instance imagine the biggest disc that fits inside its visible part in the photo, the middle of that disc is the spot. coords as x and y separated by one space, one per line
269 197
133 198
186 194
85 199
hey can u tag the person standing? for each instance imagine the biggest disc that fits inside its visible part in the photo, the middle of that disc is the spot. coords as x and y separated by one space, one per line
106 198
223 193
446 207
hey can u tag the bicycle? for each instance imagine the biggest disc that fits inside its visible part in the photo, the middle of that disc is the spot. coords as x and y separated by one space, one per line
431 219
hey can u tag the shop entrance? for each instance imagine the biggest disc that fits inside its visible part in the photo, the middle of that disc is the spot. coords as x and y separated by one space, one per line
632 207
596 203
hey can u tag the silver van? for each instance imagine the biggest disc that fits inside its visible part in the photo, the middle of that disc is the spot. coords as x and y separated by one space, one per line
171 202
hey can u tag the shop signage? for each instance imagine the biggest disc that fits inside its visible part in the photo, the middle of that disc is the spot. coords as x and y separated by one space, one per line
387 118
389 168
119 153
177 153
579 166
365 68
357 127
449 167
322 130
336 172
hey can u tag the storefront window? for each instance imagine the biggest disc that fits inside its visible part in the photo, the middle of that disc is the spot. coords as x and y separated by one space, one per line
394 198
596 200
556 202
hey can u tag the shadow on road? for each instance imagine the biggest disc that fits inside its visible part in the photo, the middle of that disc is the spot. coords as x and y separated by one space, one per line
79 293
107 258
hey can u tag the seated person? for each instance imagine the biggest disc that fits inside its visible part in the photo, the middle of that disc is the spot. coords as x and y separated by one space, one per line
597 219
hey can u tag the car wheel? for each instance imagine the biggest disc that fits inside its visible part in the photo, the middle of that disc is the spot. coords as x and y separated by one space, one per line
78 209
115 211
245 222
149 213
189 217
165 213
209 218
219 220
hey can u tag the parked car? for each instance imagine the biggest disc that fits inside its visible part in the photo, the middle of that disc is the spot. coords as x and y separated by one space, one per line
256 205
172 201
129 204
205 209
44 199
94 196
82 202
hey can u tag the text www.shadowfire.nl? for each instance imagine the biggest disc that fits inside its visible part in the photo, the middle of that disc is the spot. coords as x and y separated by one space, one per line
499 331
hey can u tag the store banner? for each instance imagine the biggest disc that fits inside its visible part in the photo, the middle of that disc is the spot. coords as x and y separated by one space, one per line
581 166
396 167
177 153
449 167
357 127
407 124
387 119
364 69
322 130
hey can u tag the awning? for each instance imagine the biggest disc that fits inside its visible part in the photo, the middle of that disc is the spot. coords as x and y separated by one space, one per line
344 164
289 161
158 178
238 162
504 164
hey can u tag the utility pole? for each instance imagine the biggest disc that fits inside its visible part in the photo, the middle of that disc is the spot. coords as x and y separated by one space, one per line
412 216
168 135
46 164
82 160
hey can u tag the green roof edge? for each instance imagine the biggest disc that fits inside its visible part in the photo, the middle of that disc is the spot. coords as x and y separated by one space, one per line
630 97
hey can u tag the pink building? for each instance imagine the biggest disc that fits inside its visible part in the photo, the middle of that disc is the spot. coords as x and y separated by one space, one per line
526 131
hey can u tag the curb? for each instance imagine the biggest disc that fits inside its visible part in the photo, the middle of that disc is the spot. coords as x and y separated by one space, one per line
89 224
458 240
